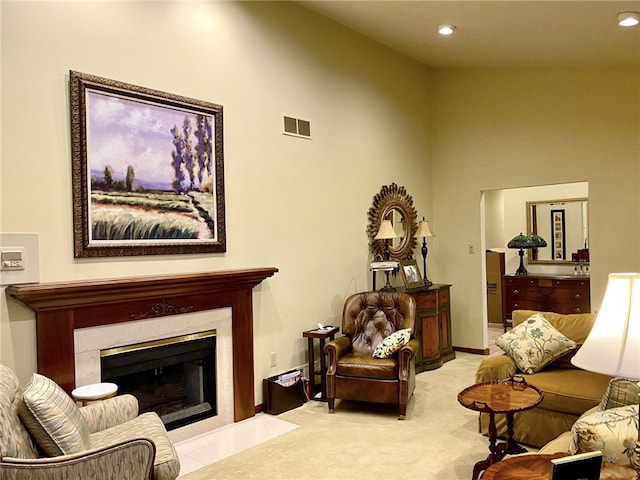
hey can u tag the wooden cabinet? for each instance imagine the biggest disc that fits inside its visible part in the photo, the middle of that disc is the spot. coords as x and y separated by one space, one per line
433 327
545 293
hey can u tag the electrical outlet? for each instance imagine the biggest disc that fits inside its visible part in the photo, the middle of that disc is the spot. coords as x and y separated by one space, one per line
273 359
472 250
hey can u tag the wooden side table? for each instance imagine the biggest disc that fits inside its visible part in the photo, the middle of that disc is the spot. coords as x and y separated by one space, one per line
533 466
322 334
537 466
507 397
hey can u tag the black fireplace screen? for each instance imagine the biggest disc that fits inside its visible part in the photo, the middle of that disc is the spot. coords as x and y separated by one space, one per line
174 377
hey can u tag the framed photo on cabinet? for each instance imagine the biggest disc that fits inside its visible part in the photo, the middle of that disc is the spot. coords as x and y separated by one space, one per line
411 274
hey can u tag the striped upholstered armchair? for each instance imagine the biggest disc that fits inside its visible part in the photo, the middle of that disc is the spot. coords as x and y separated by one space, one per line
44 435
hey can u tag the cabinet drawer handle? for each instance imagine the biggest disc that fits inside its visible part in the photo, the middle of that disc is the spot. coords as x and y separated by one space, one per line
577 295
516 291
578 310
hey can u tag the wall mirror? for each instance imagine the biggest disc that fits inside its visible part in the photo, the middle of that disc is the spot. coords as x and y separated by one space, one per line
563 224
395 204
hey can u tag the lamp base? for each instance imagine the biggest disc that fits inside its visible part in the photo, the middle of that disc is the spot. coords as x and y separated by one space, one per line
387 286
521 270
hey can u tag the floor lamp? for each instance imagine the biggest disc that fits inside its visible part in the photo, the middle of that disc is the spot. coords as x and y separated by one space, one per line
613 345
423 232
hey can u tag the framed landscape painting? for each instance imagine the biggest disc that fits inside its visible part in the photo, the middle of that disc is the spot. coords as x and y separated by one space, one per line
147 171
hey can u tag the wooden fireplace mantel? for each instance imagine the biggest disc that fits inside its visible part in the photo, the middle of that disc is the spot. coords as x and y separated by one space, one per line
62 307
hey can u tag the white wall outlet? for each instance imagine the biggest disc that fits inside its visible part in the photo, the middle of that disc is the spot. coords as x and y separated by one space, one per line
273 359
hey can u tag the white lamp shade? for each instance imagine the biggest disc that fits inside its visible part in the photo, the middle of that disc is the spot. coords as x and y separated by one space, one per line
423 229
613 345
385 231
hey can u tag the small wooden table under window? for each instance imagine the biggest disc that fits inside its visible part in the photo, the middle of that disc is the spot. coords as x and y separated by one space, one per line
509 397
321 334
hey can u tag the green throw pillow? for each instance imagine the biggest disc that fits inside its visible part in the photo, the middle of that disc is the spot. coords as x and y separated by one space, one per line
392 343
534 343
52 418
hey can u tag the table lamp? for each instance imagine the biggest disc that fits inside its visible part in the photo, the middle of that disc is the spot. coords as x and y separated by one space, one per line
521 242
613 345
423 232
385 233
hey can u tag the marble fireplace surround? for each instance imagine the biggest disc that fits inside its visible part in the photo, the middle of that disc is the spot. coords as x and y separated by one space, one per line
63 307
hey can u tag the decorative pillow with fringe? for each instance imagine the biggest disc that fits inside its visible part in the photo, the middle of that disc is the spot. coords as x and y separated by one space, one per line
614 432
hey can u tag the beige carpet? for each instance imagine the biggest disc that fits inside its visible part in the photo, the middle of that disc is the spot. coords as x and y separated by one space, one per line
438 440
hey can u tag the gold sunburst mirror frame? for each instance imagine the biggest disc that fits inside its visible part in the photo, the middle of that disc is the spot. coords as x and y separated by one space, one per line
395 204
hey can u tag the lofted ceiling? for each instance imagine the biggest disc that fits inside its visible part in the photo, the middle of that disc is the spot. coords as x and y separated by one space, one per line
520 33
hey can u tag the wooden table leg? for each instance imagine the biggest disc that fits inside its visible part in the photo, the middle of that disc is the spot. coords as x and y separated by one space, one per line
323 372
493 457
312 368
512 446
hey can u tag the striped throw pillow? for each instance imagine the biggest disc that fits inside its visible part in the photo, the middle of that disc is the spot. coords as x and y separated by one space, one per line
52 418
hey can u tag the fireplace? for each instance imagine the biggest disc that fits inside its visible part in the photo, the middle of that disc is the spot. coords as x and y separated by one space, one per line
174 377
65 309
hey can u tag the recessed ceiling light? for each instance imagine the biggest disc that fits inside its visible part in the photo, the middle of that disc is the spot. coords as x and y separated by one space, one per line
628 19
445 29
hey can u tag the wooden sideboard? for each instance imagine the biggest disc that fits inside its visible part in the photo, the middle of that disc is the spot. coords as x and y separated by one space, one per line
545 293
433 327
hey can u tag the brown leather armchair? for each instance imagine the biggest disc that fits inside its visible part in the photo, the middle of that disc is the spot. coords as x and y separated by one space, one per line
352 372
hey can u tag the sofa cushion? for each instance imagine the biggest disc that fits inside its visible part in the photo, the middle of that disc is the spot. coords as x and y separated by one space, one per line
620 392
614 432
570 391
52 418
392 343
534 343
166 465
15 440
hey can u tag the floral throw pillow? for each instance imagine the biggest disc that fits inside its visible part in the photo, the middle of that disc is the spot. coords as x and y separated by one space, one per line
614 432
534 343
392 343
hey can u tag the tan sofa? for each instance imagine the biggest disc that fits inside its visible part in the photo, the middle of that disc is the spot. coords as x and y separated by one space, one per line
568 391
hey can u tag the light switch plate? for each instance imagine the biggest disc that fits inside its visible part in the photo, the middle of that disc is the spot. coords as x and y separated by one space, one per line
20 258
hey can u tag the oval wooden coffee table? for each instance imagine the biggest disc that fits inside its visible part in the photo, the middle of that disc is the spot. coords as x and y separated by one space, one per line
509 397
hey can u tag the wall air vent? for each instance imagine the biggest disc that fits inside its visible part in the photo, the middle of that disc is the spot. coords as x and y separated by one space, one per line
296 127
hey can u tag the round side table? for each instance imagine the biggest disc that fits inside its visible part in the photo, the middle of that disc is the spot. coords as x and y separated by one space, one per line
536 466
94 391
507 397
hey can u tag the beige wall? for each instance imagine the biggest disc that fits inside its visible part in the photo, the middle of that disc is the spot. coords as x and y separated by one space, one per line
503 128
301 205
295 204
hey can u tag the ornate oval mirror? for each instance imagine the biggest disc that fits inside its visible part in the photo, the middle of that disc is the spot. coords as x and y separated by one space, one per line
394 204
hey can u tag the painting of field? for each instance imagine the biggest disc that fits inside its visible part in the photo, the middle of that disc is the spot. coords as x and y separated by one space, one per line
150 172
147 170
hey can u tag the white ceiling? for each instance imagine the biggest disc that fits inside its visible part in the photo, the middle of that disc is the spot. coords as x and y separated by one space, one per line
518 33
